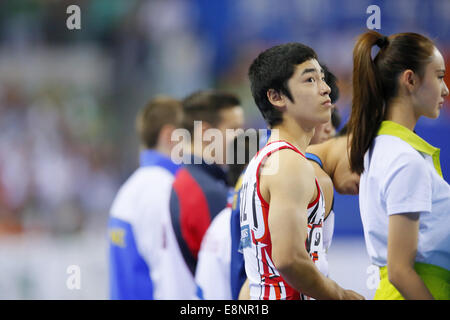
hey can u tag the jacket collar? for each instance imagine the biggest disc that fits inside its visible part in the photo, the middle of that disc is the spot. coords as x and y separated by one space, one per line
154 158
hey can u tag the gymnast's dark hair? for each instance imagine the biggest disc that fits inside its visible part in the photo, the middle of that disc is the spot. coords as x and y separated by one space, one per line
271 70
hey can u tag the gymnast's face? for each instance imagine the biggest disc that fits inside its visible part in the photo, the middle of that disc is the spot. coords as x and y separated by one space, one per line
310 103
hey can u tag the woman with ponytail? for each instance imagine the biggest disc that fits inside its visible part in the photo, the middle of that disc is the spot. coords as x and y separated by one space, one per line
404 200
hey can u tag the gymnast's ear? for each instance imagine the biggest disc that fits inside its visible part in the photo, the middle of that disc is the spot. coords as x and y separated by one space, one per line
277 99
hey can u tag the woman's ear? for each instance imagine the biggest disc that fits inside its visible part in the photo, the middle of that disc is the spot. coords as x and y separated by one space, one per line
409 80
276 99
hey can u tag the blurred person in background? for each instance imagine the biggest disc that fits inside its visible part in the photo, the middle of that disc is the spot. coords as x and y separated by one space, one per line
212 275
136 235
325 131
332 167
200 189
404 200
328 130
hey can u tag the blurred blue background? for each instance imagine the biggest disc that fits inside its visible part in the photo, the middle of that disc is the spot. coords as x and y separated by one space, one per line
68 99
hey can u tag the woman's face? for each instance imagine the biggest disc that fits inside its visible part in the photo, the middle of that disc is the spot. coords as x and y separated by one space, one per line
429 97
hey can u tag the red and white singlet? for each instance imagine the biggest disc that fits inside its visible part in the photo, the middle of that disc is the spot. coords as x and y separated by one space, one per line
265 280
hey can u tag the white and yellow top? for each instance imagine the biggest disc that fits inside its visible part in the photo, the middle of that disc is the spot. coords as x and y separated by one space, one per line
403 175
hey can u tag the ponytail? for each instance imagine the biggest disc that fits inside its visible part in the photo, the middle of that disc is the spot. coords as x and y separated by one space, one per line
367 104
